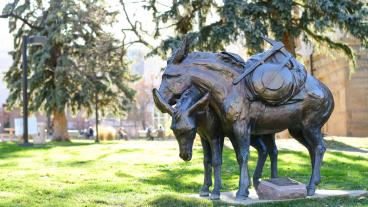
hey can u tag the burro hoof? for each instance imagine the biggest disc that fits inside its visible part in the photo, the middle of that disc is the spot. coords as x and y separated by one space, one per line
241 196
255 184
204 193
311 191
215 196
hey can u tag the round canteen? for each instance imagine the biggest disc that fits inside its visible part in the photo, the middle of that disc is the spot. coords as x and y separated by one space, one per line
272 83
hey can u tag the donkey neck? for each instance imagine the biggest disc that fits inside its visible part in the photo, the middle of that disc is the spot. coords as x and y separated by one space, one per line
223 93
209 81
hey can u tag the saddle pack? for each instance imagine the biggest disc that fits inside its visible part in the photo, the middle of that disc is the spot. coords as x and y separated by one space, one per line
273 76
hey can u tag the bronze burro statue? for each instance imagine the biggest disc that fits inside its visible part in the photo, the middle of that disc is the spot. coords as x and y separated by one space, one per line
268 93
192 115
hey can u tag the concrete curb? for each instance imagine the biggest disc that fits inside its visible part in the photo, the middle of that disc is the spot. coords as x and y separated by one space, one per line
229 197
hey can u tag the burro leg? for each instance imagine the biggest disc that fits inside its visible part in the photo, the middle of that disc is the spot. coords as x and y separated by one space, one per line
207 164
242 137
315 138
216 147
258 143
272 152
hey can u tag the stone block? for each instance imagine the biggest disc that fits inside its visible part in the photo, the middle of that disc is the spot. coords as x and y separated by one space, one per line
280 188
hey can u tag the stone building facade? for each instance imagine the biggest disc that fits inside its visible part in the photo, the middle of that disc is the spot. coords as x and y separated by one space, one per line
350 90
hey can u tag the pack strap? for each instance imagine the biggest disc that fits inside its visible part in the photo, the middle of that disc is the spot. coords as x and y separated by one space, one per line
276 46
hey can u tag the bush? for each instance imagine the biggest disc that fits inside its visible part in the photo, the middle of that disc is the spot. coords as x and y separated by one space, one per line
106 133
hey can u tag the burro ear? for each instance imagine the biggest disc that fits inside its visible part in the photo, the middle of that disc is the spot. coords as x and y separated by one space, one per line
161 103
200 104
181 52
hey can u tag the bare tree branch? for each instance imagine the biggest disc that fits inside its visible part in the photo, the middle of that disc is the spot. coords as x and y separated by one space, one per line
135 28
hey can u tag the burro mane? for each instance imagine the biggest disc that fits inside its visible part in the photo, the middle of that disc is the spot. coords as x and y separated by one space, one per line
225 63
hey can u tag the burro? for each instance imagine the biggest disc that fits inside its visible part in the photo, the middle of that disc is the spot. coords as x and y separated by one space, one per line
244 115
192 115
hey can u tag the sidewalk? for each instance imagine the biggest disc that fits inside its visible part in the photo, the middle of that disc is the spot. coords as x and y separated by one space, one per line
342 144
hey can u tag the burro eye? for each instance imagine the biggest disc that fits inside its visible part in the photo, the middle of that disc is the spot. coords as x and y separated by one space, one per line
170 75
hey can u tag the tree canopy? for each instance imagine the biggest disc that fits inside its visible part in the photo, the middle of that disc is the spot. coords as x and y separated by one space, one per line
217 23
63 73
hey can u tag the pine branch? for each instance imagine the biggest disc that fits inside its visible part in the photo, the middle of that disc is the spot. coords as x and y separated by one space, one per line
348 51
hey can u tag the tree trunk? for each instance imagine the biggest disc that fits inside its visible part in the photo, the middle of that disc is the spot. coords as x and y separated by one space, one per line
289 42
60 126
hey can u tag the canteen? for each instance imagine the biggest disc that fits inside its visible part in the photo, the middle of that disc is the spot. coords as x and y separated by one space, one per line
272 82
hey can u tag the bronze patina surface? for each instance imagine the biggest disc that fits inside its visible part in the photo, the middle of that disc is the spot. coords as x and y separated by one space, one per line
192 114
243 113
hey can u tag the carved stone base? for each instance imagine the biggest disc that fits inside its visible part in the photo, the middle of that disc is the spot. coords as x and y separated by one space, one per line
280 188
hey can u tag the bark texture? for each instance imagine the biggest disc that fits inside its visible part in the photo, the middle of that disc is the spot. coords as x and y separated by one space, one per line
289 42
60 126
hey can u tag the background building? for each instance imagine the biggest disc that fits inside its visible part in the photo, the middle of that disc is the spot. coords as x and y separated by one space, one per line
350 90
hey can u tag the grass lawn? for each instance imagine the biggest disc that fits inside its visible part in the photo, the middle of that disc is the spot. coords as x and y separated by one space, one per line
143 173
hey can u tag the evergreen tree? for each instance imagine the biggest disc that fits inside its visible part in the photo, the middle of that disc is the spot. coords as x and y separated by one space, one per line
63 74
217 23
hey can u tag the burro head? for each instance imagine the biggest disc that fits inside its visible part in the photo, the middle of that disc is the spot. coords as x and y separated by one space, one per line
175 79
184 122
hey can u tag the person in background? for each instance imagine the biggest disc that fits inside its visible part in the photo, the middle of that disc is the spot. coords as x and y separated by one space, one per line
122 134
160 132
149 134
90 133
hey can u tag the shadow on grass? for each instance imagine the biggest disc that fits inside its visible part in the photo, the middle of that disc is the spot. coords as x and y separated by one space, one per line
174 200
331 201
9 149
336 145
83 163
173 179
336 173
339 170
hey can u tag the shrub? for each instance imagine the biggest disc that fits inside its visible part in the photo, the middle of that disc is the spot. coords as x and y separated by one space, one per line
106 133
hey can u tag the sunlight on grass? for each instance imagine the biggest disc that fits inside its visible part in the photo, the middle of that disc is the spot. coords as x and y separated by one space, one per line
142 173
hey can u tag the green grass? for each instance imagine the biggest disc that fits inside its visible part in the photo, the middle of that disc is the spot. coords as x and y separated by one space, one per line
143 173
